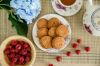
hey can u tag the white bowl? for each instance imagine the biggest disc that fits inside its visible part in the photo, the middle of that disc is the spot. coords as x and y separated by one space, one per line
36 39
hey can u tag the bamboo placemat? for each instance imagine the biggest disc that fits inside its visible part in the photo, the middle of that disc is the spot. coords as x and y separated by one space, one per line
77 31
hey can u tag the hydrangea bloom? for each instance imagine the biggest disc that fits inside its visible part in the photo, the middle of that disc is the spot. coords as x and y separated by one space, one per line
26 9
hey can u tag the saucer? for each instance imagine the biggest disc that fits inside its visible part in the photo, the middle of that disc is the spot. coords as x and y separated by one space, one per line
67 11
36 39
91 21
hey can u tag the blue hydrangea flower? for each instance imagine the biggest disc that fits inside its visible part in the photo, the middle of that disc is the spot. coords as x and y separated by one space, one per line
26 9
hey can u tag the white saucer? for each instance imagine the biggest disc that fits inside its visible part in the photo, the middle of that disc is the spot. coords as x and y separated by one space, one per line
36 39
90 25
67 11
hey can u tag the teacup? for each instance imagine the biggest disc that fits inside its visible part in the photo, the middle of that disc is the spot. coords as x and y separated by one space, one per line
67 3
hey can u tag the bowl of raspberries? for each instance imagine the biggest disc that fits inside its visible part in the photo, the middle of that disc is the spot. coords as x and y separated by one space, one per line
17 51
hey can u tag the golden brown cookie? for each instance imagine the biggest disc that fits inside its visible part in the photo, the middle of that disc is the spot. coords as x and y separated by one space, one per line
42 32
42 23
62 31
46 42
52 32
58 42
53 22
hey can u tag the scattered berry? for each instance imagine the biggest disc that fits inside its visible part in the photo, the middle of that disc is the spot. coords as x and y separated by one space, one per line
78 52
74 45
69 53
78 40
87 49
58 58
50 65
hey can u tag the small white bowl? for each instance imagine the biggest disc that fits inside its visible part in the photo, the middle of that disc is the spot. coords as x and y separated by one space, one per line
36 39
4 61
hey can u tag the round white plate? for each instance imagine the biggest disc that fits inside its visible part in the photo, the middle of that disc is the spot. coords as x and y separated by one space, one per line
91 21
36 39
67 11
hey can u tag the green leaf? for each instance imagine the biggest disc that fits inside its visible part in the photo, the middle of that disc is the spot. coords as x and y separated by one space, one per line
5 2
5 6
21 28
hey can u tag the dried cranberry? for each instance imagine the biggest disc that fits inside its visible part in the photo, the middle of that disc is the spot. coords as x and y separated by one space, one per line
58 58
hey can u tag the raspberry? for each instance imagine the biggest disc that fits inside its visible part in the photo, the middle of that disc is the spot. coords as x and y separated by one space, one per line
14 60
24 52
18 46
25 45
69 53
7 51
12 55
50 65
27 59
78 52
79 40
12 64
87 49
13 42
12 50
21 59
58 58
74 45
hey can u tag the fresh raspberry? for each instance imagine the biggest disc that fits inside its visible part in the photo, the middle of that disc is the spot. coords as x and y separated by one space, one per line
58 58
78 52
14 60
87 49
7 51
13 42
21 59
26 45
50 65
12 64
69 53
79 40
18 46
23 51
74 45
27 59
12 55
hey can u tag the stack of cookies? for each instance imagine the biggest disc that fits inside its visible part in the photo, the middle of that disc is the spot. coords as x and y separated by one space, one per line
52 33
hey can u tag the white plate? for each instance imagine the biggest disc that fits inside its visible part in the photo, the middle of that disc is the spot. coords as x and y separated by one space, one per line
36 39
67 11
90 19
